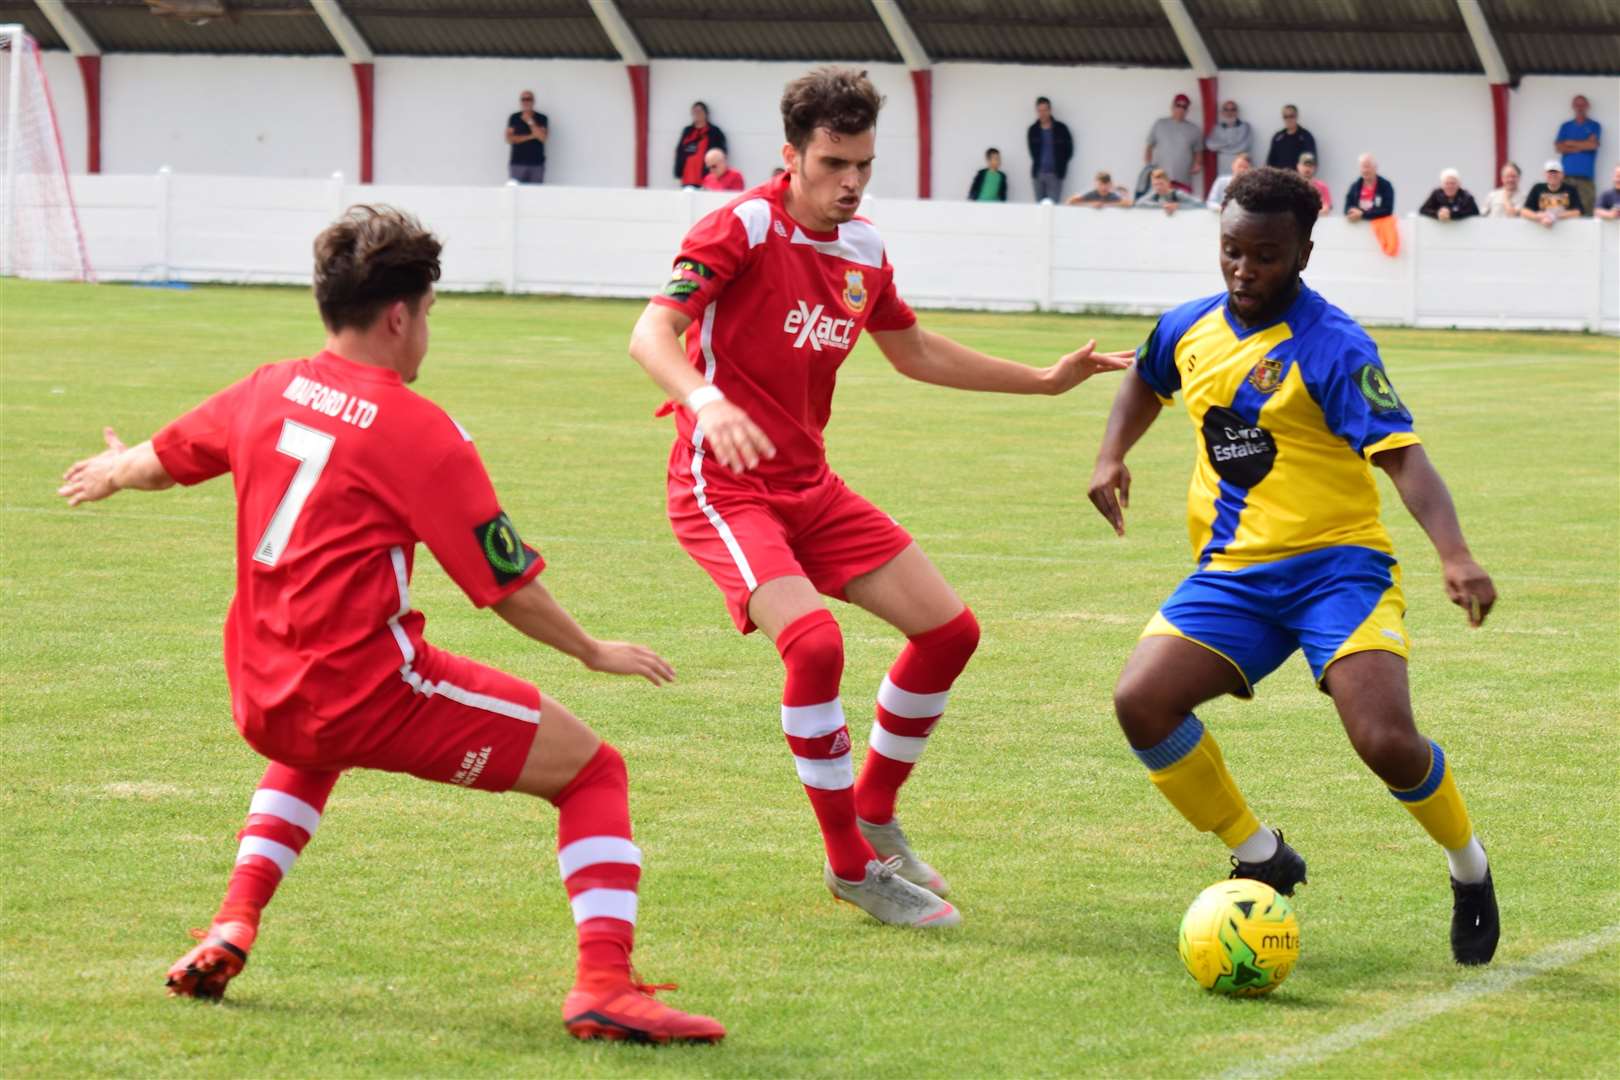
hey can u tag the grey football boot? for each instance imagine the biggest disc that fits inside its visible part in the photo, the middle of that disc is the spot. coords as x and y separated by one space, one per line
890 898
889 841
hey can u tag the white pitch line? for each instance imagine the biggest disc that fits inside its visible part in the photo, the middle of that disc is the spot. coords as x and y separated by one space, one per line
1493 981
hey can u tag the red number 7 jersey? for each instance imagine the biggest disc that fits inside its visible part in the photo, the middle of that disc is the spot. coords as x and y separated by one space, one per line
777 308
339 470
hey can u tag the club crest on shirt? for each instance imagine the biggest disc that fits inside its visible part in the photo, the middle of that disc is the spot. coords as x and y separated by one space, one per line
854 295
1267 376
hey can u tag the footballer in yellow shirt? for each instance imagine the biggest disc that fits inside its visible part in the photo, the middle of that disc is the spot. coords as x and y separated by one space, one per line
1291 408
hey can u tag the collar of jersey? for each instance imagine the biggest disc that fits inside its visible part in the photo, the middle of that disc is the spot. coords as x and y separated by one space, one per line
1306 295
357 370
779 197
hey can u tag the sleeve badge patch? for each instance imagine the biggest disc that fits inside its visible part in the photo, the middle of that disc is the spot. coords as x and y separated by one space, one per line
1377 389
687 278
507 555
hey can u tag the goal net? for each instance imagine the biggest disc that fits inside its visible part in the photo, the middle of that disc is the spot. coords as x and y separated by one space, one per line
39 226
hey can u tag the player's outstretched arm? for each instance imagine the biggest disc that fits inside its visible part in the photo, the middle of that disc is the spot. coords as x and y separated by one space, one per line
1136 406
114 469
1426 498
536 613
655 344
934 358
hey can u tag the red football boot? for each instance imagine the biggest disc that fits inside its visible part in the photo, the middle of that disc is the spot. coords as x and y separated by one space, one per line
204 971
627 1011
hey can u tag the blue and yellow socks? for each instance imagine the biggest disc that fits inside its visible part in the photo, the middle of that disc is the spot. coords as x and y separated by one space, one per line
1439 808
1188 769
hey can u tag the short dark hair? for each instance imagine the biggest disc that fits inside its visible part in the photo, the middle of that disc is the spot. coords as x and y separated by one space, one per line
990 151
369 258
1276 191
1043 101
840 99
701 105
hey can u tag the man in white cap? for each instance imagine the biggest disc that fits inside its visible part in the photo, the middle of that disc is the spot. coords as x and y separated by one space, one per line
1449 201
1552 200
1229 138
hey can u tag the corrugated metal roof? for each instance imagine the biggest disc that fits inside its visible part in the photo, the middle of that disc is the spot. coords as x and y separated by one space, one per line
1575 37
1536 36
1046 31
35 24
1336 35
283 27
761 29
481 28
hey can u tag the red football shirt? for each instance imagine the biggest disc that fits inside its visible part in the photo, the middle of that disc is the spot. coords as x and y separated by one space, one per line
777 308
339 471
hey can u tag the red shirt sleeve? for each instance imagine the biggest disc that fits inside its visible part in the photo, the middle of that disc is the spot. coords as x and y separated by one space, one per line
711 255
454 512
890 312
196 446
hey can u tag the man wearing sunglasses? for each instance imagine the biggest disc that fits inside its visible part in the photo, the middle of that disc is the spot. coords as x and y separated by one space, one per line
1289 143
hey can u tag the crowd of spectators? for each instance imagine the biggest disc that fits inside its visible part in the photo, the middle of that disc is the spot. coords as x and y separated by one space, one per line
1173 159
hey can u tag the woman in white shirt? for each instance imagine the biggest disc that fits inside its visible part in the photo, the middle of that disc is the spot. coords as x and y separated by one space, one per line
1507 200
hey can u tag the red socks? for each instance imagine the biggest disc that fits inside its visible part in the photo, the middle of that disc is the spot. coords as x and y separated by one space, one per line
281 819
599 865
909 704
812 649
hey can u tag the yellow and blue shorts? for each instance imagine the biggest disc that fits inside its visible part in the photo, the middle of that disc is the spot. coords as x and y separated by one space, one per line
1328 603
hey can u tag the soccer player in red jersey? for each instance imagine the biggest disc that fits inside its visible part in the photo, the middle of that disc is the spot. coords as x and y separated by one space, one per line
772 292
340 470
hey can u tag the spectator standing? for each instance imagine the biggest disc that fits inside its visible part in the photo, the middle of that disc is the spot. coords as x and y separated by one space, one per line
1240 165
718 175
1450 201
1507 200
1291 143
1164 195
1229 138
1173 144
691 152
1608 203
526 132
1106 193
1370 196
989 183
1050 148
1553 200
1307 168
1578 141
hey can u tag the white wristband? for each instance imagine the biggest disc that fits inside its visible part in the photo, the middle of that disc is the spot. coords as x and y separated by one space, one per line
707 394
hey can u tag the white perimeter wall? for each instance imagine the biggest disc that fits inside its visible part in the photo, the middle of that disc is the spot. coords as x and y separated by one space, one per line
620 242
439 121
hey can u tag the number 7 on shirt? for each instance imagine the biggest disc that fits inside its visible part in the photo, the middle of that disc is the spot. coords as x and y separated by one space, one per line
310 448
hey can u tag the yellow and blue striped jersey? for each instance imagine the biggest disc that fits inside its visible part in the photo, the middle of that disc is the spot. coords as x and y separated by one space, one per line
1287 417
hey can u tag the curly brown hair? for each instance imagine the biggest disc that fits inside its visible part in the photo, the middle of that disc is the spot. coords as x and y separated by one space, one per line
840 99
369 258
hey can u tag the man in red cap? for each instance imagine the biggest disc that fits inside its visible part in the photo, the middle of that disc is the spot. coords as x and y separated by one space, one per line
1173 144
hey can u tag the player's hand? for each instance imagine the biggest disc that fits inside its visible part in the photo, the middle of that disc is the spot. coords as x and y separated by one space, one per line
736 440
1470 588
1110 492
91 480
627 658
1082 364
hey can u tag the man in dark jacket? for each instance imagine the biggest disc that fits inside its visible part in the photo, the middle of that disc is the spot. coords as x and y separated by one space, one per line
989 183
1370 196
1449 201
1050 148
697 139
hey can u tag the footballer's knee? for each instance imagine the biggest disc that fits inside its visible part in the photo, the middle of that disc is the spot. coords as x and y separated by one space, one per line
813 647
1392 747
1143 709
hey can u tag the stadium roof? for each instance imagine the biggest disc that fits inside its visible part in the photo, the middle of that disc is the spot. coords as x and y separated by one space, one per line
1535 36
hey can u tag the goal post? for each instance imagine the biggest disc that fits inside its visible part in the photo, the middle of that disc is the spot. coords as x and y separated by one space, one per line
40 235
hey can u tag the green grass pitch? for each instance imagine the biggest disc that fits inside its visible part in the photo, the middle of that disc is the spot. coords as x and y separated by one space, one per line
425 931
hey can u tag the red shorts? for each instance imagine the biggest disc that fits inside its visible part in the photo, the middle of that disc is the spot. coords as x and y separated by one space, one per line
745 531
452 720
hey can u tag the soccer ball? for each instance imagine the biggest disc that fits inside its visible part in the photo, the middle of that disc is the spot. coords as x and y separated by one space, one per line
1240 937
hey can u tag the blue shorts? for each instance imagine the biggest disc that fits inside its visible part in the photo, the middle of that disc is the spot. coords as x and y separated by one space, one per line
1330 603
